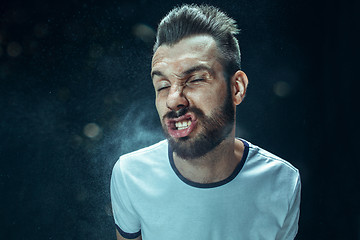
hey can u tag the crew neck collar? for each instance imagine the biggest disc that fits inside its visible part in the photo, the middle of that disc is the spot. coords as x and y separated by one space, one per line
214 184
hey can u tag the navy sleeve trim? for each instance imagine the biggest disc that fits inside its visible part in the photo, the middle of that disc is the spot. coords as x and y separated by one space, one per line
128 235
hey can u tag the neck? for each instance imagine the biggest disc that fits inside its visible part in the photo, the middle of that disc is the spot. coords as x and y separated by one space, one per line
214 166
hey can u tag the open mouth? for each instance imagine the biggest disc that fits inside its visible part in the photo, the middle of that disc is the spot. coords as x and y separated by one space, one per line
182 126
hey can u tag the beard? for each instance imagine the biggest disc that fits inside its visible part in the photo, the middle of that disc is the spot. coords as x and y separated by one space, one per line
215 128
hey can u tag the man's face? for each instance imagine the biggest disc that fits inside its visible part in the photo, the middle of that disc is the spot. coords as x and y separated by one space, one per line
192 97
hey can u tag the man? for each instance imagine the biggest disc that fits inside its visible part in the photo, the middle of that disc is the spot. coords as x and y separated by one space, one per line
202 182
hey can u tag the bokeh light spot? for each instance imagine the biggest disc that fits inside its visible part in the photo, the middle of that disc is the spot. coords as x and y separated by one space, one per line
282 89
92 130
144 32
76 141
14 49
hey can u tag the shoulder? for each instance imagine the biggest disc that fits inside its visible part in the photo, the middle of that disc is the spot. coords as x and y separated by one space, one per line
267 163
142 158
141 170
270 170
155 148
262 154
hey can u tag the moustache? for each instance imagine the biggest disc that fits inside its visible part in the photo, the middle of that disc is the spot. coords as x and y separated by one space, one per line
175 114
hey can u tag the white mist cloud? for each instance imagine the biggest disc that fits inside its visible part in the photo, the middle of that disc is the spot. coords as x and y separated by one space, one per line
140 127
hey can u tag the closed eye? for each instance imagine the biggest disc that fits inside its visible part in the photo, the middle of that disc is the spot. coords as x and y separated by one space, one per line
195 81
162 85
162 88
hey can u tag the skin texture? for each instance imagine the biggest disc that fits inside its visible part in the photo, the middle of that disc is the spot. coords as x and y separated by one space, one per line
196 75
175 89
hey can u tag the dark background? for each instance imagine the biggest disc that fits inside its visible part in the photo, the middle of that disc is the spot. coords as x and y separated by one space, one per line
75 93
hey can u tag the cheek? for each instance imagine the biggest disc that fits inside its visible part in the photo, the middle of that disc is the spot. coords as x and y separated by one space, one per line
209 99
159 107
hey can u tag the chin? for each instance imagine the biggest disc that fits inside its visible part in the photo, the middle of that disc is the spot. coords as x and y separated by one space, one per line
196 147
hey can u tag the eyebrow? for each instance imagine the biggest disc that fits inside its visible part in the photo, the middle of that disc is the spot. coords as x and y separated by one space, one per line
157 73
189 71
196 68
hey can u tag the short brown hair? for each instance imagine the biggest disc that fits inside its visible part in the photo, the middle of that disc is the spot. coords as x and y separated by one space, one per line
188 20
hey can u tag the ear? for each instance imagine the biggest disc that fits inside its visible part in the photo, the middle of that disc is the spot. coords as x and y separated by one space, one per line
239 83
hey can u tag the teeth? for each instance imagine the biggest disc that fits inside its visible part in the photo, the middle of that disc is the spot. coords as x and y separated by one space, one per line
182 125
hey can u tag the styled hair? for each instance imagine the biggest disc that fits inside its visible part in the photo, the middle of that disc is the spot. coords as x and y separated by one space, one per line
188 20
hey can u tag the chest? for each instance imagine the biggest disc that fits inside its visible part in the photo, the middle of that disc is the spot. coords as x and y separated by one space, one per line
184 212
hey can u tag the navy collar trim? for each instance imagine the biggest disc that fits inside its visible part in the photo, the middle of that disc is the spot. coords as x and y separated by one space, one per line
215 184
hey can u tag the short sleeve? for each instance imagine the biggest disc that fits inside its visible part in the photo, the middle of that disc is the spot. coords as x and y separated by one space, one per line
290 226
126 219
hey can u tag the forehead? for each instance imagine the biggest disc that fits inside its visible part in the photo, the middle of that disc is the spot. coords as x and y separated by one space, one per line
188 51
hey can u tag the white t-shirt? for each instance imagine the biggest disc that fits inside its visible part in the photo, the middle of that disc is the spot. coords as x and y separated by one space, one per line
260 200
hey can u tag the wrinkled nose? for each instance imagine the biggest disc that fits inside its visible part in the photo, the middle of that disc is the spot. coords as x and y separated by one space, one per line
176 99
